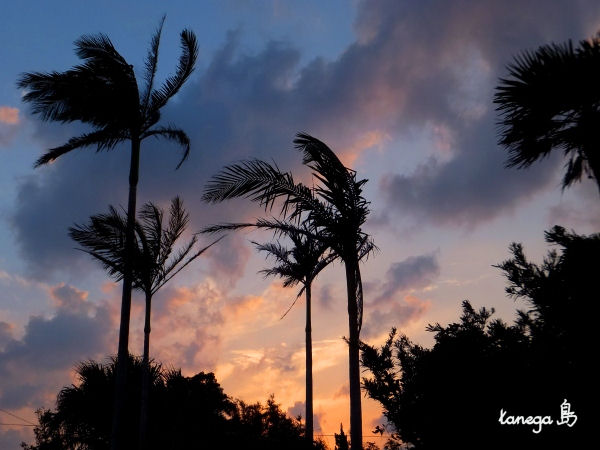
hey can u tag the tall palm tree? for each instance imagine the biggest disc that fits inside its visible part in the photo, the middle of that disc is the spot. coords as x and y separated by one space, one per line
154 262
551 100
335 208
103 92
300 265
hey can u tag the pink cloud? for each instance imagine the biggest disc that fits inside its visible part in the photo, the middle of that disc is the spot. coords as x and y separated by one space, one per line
9 115
68 297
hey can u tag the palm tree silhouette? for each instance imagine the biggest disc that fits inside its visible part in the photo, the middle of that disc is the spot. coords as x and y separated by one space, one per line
300 265
336 210
551 101
154 262
103 92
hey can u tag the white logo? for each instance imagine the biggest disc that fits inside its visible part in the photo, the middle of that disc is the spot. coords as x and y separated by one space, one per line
567 417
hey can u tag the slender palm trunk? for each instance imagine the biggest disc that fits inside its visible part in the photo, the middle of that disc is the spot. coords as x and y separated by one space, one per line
117 438
352 280
144 406
309 379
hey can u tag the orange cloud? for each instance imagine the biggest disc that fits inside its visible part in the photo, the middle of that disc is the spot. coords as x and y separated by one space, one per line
9 115
367 140
69 297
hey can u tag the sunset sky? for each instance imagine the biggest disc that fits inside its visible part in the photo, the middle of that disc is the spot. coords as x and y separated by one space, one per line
401 90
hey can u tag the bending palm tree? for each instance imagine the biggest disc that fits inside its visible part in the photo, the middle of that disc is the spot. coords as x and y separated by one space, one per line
300 265
103 92
552 101
336 211
154 262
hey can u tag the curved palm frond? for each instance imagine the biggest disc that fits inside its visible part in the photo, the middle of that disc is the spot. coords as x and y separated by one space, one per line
104 239
150 66
301 263
185 67
104 139
174 134
339 186
169 271
264 183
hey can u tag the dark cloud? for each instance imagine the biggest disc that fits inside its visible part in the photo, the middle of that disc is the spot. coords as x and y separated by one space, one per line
227 259
414 65
325 297
8 438
471 188
5 334
299 410
31 367
415 272
343 391
394 303
402 312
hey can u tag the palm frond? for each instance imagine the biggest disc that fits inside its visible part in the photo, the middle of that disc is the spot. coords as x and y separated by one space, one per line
178 220
174 134
550 101
102 91
150 65
105 139
99 49
104 239
187 60
339 185
293 303
263 183
154 263
171 274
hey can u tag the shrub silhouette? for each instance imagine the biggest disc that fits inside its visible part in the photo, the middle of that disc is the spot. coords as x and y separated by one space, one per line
450 396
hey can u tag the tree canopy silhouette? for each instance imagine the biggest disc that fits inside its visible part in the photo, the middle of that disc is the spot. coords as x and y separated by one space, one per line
188 412
451 395
103 93
550 101
335 208
155 261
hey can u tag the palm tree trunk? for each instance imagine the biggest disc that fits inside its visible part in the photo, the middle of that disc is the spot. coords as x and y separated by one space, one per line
117 439
144 406
309 379
353 355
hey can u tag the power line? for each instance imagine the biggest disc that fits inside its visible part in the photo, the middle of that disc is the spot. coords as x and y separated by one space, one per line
17 424
17 417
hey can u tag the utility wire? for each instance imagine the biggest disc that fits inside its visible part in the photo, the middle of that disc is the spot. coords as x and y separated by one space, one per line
17 417
17 424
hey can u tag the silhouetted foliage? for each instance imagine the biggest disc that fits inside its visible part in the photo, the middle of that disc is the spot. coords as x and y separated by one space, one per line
103 92
341 440
186 413
551 102
267 427
450 396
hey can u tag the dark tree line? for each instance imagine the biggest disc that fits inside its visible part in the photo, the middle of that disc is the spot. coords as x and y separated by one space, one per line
186 413
451 395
